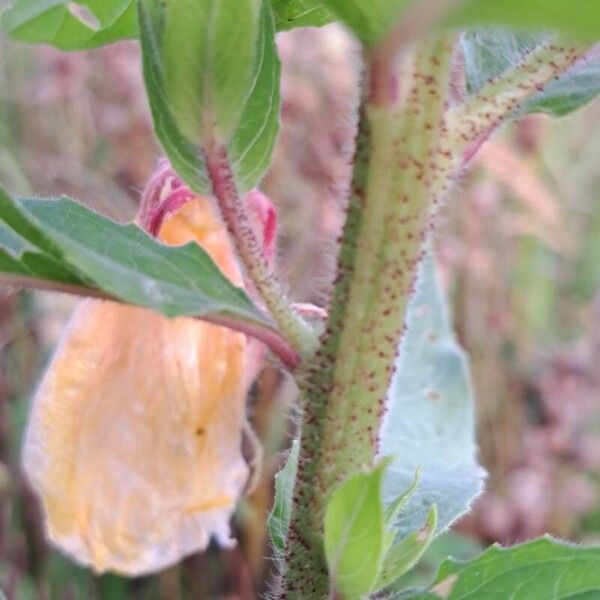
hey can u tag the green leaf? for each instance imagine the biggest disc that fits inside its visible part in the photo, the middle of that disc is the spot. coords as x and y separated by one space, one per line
279 518
185 155
355 536
369 21
578 86
253 141
126 262
299 13
26 251
120 260
429 428
71 25
208 52
430 422
488 53
212 75
397 506
544 568
406 553
579 19
402 554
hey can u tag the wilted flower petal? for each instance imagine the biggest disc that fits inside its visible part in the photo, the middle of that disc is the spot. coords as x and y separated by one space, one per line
134 441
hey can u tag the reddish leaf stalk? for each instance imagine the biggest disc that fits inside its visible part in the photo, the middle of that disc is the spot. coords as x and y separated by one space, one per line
472 122
271 338
293 326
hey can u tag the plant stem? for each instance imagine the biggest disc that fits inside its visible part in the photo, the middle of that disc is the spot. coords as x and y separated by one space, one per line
293 326
303 571
402 168
409 148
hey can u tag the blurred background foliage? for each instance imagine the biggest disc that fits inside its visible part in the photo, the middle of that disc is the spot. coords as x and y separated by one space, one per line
519 245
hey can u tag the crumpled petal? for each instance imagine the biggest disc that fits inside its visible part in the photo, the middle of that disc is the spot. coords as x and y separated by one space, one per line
134 440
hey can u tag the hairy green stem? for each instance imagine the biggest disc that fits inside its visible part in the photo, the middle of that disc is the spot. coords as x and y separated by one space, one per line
302 336
409 148
304 570
401 168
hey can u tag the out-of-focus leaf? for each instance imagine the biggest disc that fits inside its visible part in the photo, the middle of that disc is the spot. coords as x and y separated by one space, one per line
71 25
543 568
579 19
120 260
490 52
355 536
300 13
578 86
369 21
279 519
212 75
430 422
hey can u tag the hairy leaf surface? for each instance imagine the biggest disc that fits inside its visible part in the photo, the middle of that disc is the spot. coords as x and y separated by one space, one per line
544 568
430 423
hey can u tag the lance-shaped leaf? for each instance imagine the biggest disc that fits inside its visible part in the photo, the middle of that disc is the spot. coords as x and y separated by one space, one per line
544 568
430 423
25 250
369 21
279 518
488 53
208 49
65 243
404 554
212 76
364 551
252 143
355 534
185 155
71 25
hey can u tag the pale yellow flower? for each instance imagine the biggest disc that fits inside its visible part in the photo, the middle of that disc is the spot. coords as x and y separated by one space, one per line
134 440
